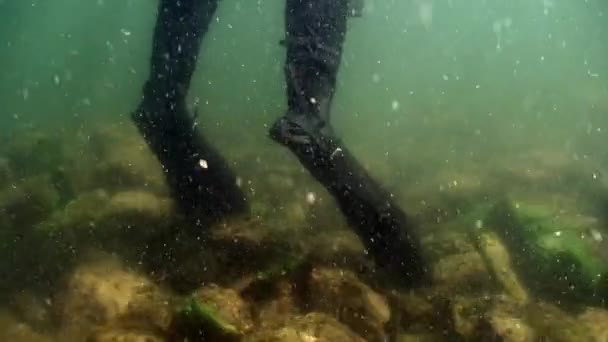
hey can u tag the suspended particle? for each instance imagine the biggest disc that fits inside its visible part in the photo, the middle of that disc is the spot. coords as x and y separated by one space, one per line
311 198
395 105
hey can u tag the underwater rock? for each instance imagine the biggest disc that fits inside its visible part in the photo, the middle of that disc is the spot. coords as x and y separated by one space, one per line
339 248
340 292
252 246
505 322
105 293
215 314
466 313
142 213
420 338
596 322
79 214
31 309
464 272
279 308
553 324
317 327
554 248
490 318
35 152
15 331
499 262
122 161
5 173
96 217
124 335
419 311
446 242
28 202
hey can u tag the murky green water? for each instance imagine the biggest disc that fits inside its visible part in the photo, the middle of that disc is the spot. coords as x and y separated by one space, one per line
485 119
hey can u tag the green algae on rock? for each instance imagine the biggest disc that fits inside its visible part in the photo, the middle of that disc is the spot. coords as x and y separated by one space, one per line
559 253
213 314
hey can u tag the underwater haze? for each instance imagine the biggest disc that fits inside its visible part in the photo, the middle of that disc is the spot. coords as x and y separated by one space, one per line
486 121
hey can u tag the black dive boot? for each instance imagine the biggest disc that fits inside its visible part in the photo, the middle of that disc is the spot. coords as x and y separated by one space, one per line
315 33
199 178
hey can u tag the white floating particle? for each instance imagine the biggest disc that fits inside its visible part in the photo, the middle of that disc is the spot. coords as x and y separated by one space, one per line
239 181
334 153
445 77
203 164
375 78
125 32
594 175
596 235
479 224
313 100
542 58
56 79
497 27
311 198
477 86
558 233
395 105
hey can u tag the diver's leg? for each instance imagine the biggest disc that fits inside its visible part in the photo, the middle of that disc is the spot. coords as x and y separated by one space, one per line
315 32
197 175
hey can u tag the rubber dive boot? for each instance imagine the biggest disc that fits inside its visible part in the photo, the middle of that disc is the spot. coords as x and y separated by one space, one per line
199 178
315 34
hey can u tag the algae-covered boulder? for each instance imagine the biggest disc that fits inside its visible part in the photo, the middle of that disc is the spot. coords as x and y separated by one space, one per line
13 330
6 174
32 152
338 247
28 201
314 326
559 251
213 314
596 322
465 272
553 324
498 261
104 293
446 242
491 318
111 220
32 309
112 334
340 292
122 161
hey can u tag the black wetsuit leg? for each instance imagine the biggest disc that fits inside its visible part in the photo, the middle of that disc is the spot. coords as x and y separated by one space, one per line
199 178
315 33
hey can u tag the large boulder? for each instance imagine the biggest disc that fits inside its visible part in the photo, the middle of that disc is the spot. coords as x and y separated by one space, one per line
491 318
465 272
341 293
314 326
104 293
32 152
556 247
6 175
114 221
28 202
215 314
115 158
